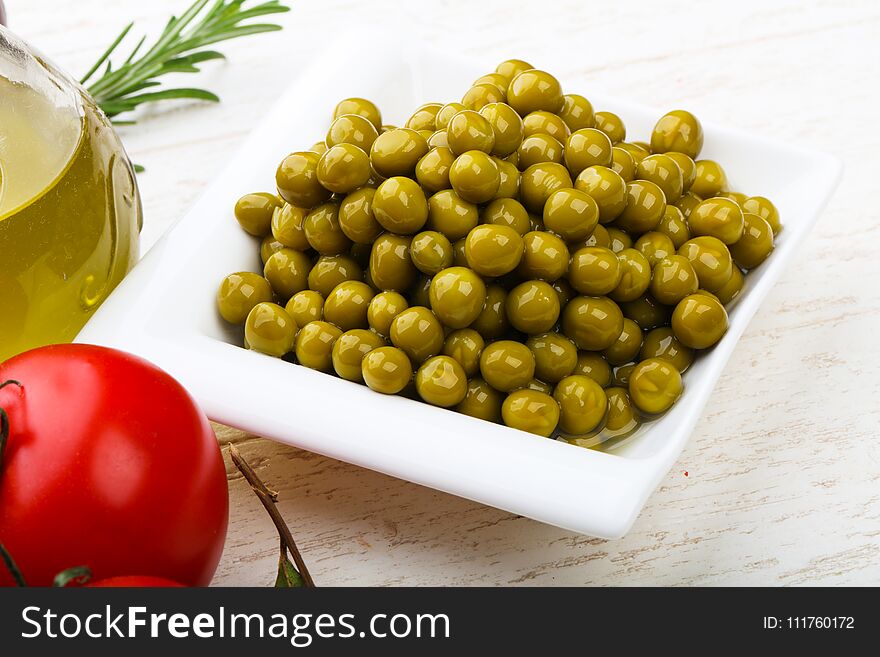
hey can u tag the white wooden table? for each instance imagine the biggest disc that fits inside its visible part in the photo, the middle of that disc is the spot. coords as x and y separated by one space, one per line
780 483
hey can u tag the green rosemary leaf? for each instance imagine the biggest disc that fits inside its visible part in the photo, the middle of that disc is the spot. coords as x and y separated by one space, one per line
179 49
106 54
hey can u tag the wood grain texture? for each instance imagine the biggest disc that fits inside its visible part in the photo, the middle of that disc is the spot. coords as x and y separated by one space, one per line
783 470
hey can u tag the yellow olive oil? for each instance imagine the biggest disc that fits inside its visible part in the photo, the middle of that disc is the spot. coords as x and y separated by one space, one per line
69 218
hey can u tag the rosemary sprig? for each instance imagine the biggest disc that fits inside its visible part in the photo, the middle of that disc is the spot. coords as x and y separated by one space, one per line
179 49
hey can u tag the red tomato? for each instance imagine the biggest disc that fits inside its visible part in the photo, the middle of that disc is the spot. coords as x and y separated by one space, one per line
109 464
133 581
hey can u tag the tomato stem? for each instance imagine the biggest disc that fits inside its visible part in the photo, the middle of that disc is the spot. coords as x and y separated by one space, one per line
11 566
267 498
4 420
77 575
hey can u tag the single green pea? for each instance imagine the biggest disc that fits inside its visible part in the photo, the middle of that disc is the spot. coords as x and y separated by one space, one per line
269 329
687 166
732 288
507 365
397 151
571 214
418 332
654 386
618 239
432 171
755 244
594 366
387 370
481 401
626 348
510 68
709 179
600 237
383 308
352 129
687 203
621 419
582 403
431 252
391 266
474 176
287 227
346 305
555 356
330 271
425 117
543 122
314 345
606 187
297 180
323 231
765 209
645 205
537 149
239 293
674 226
623 163
612 125
445 114
457 295
577 112
465 346
545 256
441 381
655 246
469 131
305 306
564 291
635 276
672 279
343 168
717 217
664 172
533 90
254 212
507 127
450 214
539 386
533 307
540 180
585 148
699 321
662 343
288 272
647 312
400 206
356 218
349 351
508 179
680 131
360 107
493 250
710 259
492 321
507 212
482 94
593 323
532 411
268 247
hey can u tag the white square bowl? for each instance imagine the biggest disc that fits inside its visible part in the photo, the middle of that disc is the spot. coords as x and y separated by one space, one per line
164 311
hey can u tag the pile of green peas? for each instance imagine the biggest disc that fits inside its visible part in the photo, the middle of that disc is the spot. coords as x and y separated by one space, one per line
509 256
